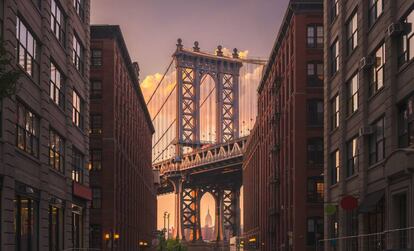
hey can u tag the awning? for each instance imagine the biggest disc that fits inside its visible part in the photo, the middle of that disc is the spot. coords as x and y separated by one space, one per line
370 202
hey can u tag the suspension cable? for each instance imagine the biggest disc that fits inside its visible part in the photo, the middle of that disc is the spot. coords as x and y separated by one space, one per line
159 83
162 136
165 149
162 106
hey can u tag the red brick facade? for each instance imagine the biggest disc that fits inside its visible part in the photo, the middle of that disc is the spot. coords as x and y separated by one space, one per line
123 193
283 186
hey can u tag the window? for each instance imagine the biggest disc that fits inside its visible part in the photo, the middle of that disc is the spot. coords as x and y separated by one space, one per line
56 225
56 86
96 57
315 190
96 197
375 220
314 231
334 229
352 157
335 167
352 33
78 166
315 36
315 74
56 151
27 127
406 124
334 9
377 142
77 227
27 48
1 17
96 89
315 113
95 236
315 151
77 110
334 57
335 112
407 40
57 21
78 5
375 10
26 224
353 88
96 124
401 218
377 71
95 160
78 54
351 218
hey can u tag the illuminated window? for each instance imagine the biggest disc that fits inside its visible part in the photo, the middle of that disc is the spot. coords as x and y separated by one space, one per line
77 165
334 57
78 5
377 71
335 167
27 125
77 110
352 33
315 190
315 36
27 48
376 7
56 86
77 54
353 87
56 151
57 21
335 112
95 160
407 40
352 157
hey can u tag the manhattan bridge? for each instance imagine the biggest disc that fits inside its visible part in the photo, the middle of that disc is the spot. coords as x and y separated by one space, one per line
203 109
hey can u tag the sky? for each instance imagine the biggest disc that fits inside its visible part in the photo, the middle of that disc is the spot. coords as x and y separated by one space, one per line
152 27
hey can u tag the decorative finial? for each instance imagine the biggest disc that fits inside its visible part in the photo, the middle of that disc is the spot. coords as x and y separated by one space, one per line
219 51
196 48
179 44
235 53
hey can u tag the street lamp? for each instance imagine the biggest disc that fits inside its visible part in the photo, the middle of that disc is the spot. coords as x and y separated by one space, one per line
167 218
110 239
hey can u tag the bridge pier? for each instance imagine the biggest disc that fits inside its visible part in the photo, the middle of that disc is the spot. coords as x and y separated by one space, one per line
177 182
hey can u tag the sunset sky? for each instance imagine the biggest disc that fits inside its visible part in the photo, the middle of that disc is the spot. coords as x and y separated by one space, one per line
151 28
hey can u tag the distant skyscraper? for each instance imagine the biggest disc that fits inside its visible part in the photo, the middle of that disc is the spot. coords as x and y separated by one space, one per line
208 230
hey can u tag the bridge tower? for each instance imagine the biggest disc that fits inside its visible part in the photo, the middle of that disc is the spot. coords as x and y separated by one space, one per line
191 67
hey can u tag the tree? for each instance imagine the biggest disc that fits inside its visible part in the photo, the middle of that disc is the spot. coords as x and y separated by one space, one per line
8 74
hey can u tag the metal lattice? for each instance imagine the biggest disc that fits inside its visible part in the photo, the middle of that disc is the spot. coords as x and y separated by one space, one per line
228 129
188 106
229 212
189 211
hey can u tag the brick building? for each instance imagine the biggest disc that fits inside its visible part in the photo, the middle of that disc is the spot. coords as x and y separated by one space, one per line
43 134
124 196
369 94
283 165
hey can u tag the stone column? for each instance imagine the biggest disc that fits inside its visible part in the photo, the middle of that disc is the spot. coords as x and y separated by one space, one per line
218 231
177 182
